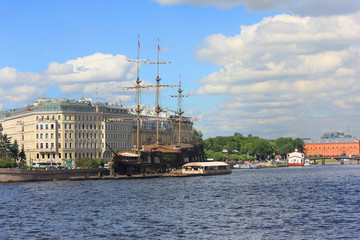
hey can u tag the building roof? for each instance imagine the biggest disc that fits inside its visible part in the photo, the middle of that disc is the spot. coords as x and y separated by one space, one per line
331 140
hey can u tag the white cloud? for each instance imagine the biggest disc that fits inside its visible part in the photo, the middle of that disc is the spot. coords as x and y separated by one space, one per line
99 72
97 67
283 72
298 7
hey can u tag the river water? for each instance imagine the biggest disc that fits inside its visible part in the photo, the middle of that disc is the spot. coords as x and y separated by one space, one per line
317 202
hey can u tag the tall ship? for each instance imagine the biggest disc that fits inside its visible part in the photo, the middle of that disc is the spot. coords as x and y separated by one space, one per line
155 157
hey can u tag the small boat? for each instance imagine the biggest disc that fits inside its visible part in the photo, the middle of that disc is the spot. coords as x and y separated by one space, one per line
206 168
307 162
245 166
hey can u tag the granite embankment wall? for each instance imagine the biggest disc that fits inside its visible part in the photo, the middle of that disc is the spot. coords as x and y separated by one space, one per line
24 175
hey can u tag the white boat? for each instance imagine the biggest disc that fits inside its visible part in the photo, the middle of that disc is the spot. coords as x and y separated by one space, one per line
236 166
307 162
245 166
206 168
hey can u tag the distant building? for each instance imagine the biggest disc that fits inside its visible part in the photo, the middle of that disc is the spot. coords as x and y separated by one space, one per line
332 144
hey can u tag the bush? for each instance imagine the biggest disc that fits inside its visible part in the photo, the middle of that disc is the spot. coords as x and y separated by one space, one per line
90 162
6 162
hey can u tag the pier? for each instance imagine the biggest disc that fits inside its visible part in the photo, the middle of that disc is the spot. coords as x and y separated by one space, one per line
341 159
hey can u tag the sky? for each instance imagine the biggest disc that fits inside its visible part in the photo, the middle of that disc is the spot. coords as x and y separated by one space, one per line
270 68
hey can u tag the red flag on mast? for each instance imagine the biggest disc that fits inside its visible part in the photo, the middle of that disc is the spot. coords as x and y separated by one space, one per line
138 43
159 48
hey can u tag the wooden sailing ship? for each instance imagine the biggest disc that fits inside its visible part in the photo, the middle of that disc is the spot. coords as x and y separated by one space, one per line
155 158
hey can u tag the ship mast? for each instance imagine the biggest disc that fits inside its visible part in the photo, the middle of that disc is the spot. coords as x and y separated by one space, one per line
157 109
179 96
138 87
138 81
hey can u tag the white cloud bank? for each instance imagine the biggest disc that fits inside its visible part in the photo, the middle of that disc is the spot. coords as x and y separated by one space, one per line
285 75
99 72
298 7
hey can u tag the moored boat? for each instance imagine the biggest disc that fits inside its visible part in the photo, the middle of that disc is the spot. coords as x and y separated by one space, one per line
206 168
296 158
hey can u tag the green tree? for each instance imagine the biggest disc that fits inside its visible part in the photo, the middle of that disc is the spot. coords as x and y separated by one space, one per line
22 158
6 162
14 151
234 157
5 145
90 162
198 135
218 156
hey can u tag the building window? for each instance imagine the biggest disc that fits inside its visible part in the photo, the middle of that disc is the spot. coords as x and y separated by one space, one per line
59 117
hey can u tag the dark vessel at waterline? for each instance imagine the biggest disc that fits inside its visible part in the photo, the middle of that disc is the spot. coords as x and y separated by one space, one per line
157 158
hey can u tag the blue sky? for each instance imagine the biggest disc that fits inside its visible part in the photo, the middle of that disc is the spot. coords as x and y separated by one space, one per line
272 68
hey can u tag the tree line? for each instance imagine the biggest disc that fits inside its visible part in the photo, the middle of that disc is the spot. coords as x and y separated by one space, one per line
10 156
249 147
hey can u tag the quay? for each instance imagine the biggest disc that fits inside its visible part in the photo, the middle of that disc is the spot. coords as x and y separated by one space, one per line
23 175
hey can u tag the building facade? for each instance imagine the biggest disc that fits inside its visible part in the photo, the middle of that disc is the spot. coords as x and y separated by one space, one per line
332 144
53 130
61 130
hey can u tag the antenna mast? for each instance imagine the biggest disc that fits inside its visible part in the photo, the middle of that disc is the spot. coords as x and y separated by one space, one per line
157 109
180 112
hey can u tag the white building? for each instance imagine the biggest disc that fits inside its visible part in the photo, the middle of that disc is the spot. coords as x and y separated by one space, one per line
296 158
61 130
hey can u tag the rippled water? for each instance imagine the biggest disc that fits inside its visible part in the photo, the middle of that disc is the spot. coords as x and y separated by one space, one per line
319 202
